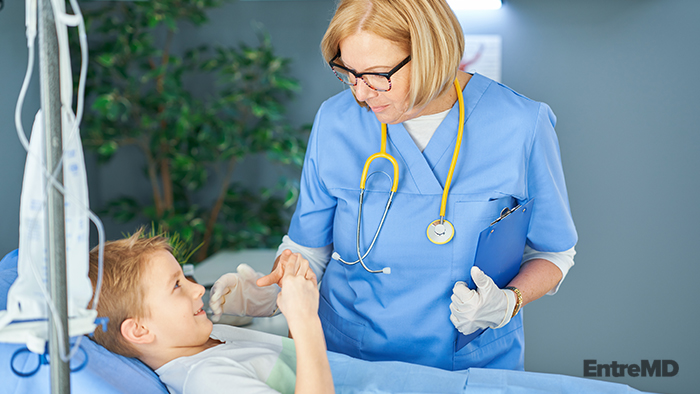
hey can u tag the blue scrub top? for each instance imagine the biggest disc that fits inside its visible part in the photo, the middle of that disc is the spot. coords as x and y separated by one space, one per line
509 154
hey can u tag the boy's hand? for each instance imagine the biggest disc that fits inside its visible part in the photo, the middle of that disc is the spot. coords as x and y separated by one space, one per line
298 299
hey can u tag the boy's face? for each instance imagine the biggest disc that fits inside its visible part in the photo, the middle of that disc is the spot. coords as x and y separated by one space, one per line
176 310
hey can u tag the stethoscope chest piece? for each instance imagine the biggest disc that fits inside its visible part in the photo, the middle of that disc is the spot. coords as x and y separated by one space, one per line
440 232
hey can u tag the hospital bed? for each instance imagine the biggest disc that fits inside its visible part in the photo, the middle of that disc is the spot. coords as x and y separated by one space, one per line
99 371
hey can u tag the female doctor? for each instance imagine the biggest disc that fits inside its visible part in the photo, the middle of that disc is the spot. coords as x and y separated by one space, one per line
392 283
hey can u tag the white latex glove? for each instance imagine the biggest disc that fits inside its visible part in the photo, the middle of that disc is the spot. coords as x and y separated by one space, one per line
486 307
238 295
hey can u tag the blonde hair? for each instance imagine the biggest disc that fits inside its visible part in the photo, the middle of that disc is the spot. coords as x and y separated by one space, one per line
122 293
427 29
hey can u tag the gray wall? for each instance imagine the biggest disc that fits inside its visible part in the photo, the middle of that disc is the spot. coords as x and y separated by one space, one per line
620 75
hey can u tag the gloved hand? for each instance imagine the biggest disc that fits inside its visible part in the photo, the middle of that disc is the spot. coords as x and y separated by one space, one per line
238 294
486 307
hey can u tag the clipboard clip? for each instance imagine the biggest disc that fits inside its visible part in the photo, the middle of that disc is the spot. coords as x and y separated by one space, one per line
504 214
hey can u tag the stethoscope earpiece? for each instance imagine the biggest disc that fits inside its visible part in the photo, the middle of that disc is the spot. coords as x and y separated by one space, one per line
385 270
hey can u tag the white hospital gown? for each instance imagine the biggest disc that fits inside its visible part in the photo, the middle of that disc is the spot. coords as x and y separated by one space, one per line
248 362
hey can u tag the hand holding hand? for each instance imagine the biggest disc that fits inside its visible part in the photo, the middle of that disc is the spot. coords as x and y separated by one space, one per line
238 294
486 307
275 277
298 299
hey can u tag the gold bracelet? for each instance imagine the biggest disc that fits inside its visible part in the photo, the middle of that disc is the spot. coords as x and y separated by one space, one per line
519 301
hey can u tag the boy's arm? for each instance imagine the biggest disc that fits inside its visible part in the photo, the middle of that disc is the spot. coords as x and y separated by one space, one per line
313 370
298 301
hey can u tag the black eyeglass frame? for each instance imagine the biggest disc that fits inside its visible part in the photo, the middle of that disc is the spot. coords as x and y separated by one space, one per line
359 76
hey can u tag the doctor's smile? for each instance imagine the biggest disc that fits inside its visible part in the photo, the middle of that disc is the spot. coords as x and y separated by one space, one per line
379 108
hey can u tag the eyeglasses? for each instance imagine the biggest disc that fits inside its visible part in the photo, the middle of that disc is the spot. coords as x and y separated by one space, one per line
381 82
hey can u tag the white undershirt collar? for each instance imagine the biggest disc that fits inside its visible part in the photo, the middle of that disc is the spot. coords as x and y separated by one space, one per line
422 128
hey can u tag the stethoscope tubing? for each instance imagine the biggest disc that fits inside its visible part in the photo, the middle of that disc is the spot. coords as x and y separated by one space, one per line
360 257
455 154
376 234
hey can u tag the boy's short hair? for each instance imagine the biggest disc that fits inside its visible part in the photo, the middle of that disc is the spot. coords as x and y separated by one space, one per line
427 29
122 293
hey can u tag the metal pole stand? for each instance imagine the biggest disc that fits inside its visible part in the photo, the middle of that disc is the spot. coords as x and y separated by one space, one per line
51 108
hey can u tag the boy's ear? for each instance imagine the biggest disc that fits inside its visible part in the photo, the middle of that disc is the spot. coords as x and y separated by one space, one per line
136 333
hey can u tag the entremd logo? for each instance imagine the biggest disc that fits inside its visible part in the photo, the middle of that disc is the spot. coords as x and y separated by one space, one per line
665 368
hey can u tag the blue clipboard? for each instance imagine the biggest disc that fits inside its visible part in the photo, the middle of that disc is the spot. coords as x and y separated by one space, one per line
500 252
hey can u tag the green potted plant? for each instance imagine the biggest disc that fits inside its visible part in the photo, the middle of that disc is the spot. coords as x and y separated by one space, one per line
138 92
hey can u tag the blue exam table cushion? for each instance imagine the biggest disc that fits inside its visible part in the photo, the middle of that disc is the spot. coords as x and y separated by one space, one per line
105 372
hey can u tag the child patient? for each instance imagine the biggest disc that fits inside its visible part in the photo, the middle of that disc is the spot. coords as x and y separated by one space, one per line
156 315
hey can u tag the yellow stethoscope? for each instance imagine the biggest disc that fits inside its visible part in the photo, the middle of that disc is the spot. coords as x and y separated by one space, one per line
439 231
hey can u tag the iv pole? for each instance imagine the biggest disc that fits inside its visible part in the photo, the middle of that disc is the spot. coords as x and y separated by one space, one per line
51 108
